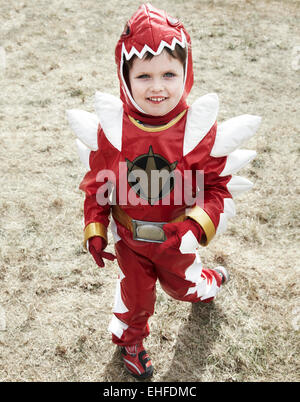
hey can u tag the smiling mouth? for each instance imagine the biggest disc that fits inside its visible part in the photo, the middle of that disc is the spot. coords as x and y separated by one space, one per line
156 99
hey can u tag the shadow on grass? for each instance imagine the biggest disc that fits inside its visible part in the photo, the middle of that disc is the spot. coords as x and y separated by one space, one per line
196 339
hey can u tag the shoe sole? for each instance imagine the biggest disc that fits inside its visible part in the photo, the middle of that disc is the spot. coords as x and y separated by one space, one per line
141 376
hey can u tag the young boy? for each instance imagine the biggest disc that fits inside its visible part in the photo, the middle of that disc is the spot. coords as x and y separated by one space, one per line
144 154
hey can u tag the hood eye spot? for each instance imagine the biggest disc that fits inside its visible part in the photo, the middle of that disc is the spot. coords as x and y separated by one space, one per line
127 30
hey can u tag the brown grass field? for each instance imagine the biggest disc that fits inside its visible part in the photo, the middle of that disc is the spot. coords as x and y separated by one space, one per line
55 303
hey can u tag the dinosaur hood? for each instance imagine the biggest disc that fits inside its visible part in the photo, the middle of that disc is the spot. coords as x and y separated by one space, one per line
152 30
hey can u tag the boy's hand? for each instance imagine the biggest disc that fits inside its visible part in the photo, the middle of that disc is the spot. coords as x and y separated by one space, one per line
96 246
175 231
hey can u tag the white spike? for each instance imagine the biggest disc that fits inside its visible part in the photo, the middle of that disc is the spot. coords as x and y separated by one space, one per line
222 226
193 272
84 153
201 117
213 290
229 207
189 243
237 185
234 132
114 231
117 327
236 160
109 110
119 306
85 126
229 212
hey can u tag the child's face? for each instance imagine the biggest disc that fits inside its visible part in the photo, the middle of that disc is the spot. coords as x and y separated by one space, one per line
157 84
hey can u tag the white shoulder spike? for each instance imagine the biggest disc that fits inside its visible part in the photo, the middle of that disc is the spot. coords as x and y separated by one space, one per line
232 133
229 212
237 185
109 110
84 153
201 117
222 226
236 160
229 207
85 126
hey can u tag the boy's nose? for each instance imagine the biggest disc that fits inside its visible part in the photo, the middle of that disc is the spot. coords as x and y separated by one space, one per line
157 86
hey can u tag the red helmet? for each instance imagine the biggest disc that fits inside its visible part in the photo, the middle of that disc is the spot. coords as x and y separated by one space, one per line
152 30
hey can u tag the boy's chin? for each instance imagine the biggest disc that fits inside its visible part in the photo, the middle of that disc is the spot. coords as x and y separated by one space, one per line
156 112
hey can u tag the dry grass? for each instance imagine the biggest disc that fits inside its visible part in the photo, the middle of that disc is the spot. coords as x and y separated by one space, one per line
55 302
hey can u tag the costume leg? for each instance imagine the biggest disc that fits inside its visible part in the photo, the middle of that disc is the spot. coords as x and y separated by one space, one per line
135 296
184 278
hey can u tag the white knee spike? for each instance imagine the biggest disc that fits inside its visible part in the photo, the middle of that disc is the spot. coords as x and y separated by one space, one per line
234 132
238 185
201 117
236 160
84 153
85 126
109 110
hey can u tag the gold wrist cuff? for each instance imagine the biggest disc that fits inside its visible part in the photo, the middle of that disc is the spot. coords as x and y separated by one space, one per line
94 229
201 217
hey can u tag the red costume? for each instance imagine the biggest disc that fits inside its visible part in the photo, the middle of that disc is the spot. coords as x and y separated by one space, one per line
117 148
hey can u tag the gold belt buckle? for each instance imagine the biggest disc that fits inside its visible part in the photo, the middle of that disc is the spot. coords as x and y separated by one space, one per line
148 231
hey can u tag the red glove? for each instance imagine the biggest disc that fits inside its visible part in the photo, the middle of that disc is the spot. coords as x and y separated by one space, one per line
96 246
175 231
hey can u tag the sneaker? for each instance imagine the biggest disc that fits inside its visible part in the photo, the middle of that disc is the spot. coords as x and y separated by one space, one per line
223 273
137 361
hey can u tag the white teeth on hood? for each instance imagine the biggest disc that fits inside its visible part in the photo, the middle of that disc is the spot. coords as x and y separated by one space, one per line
147 48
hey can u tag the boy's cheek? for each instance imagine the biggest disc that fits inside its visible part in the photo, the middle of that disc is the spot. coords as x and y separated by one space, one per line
137 89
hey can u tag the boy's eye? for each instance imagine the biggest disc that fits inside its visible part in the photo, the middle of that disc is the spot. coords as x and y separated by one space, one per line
169 75
143 76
